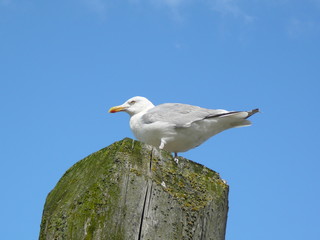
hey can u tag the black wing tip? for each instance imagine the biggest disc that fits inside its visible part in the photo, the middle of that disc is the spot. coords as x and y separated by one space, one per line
254 111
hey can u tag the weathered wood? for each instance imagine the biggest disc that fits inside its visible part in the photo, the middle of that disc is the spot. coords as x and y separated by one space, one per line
131 191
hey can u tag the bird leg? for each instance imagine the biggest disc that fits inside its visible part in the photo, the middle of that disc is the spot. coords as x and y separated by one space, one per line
163 142
176 158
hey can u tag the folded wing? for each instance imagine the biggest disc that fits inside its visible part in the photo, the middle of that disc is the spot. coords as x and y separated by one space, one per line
183 115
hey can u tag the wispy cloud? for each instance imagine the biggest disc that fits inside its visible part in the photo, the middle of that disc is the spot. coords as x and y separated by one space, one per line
175 7
98 6
158 3
5 2
297 27
225 8
101 6
170 3
317 2
230 8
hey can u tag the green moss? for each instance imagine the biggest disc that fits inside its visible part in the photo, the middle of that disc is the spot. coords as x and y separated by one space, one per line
135 171
192 185
88 190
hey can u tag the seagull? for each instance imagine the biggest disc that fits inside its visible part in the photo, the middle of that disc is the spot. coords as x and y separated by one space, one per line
177 127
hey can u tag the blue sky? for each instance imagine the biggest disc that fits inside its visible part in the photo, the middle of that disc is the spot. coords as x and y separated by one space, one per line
63 64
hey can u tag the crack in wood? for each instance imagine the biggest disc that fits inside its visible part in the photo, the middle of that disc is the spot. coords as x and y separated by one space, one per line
151 156
142 215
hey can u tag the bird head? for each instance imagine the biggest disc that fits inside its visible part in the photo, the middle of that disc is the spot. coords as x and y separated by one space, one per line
133 106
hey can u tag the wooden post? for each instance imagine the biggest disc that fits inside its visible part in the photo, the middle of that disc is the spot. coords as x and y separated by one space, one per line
131 191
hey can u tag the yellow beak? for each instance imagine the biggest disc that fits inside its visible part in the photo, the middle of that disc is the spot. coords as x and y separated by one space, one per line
116 109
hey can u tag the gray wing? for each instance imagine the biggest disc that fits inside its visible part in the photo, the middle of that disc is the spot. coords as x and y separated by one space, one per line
181 115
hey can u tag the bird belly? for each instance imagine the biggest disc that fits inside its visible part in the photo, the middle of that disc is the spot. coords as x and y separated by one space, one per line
152 133
186 139
197 133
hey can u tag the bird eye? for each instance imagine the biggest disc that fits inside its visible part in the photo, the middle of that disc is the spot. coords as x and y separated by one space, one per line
132 102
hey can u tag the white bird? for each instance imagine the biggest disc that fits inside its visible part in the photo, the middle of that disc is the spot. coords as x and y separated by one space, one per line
177 127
